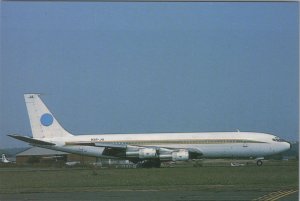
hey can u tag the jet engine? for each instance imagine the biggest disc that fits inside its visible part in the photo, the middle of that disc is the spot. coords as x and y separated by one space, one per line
181 155
151 153
142 153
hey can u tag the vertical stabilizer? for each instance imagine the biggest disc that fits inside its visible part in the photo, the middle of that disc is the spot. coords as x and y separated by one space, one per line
42 122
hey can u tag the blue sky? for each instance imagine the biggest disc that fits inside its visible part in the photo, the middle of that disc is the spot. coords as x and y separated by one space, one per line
152 67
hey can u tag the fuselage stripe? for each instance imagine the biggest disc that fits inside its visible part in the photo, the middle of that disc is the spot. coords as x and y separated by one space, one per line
156 142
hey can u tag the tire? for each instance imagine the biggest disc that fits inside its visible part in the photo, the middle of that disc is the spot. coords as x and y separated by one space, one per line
259 163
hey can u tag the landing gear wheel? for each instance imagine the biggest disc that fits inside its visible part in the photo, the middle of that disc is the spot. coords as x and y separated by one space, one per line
259 163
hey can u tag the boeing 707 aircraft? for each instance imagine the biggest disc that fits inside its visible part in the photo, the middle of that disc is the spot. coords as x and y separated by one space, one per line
150 149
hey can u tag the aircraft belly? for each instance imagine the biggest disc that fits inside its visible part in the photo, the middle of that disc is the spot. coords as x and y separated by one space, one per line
212 151
225 150
235 150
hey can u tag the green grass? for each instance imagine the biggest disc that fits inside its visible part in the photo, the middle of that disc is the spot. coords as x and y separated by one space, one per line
18 180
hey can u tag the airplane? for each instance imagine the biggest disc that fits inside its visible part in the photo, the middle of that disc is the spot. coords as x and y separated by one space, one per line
147 149
4 159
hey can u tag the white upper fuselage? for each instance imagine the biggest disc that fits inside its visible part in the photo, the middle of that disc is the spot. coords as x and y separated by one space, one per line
211 145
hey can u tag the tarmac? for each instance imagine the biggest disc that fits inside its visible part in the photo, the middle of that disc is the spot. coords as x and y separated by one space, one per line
144 195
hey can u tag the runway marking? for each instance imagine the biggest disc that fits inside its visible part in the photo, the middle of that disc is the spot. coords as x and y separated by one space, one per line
275 195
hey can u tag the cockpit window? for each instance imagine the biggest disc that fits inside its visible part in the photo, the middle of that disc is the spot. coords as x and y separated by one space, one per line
277 139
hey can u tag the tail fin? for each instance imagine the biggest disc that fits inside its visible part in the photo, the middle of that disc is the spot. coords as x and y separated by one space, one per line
43 124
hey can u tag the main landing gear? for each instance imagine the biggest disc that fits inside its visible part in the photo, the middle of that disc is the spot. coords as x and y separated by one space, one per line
259 163
154 163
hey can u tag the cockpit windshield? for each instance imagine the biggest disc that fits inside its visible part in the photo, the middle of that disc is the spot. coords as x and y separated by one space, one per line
277 139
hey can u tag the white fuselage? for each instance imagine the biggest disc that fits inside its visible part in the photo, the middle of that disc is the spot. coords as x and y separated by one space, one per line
211 145
145 148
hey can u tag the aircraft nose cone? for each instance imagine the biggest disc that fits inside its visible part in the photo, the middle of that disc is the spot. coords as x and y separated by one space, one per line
288 146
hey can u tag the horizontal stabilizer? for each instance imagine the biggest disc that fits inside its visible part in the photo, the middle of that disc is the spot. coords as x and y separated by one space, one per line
30 140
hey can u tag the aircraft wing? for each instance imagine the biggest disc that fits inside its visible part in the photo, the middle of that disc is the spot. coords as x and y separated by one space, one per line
110 145
116 149
99 144
124 146
30 140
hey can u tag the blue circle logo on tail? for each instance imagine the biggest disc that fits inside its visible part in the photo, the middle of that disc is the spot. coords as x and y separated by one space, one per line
47 119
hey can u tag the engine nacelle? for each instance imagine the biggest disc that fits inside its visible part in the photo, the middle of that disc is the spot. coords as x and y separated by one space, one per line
181 155
142 153
147 153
